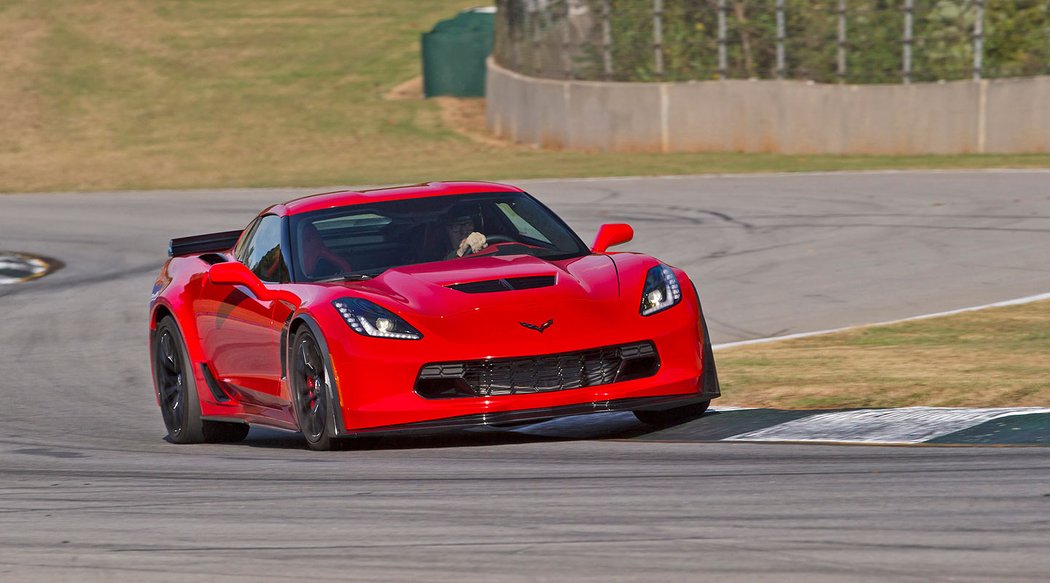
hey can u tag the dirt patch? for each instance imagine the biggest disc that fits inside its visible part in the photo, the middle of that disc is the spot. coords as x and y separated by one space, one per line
466 115
409 90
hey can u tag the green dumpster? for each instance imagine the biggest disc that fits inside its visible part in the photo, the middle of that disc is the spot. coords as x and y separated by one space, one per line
454 54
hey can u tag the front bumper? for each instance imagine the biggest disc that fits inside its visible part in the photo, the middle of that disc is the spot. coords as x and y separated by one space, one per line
376 378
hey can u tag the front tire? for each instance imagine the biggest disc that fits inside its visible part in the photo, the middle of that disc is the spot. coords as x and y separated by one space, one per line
175 385
709 378
312 392
708 385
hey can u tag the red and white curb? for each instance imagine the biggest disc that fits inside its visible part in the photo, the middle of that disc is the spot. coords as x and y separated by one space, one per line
18 267
890 426
906 425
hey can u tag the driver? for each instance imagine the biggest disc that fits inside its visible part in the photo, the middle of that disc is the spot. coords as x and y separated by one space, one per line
317 259
462 237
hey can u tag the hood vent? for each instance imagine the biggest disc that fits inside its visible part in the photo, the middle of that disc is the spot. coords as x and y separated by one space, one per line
505 284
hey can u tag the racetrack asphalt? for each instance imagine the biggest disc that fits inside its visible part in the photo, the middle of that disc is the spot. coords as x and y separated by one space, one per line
90 491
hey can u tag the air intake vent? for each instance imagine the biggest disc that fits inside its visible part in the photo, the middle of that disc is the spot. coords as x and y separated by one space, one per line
212 258
538 374
505 284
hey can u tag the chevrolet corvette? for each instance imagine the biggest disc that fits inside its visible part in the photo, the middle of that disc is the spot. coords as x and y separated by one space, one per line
427 307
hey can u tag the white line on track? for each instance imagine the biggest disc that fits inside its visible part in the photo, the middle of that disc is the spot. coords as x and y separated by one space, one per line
1013 302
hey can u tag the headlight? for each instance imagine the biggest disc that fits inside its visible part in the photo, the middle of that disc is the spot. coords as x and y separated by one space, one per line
661 290
368 319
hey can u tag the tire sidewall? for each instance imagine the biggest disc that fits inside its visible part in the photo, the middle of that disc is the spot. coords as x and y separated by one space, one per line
709 378
327 440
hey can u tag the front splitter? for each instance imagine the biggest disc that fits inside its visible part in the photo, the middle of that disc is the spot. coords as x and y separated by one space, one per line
532 415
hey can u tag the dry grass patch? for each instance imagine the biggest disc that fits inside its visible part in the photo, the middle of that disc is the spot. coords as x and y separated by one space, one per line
20 113
130 94
996 357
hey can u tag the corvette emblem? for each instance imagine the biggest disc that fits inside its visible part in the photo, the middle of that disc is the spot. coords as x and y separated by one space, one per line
539 328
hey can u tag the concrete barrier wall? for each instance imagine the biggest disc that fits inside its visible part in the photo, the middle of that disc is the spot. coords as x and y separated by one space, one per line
792 117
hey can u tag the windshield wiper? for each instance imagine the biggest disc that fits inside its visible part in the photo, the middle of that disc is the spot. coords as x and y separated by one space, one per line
349 277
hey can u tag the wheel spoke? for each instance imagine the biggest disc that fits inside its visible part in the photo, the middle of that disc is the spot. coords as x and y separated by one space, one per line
176 409
311 424
168 355
169 393
165 345
310 389
313 356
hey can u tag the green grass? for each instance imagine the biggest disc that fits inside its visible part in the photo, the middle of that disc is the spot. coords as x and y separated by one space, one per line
128 94
997 357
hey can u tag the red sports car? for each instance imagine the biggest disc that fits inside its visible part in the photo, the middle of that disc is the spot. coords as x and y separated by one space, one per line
423 307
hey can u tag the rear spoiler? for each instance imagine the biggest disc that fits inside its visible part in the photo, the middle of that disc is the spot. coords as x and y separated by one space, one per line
209 243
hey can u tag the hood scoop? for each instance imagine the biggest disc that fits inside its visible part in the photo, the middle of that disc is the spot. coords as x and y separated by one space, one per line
504 284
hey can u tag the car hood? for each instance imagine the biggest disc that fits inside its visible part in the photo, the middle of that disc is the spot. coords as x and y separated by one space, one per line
447 288
584 305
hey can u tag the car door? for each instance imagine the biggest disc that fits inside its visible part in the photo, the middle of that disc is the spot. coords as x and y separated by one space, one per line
238 332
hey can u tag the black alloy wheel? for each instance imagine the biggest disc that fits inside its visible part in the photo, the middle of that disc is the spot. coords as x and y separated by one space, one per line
311 391
176 389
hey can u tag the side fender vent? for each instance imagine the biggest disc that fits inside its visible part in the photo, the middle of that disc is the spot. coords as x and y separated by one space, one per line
214 386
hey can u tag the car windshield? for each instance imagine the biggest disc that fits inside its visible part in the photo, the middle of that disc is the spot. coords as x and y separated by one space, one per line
364 240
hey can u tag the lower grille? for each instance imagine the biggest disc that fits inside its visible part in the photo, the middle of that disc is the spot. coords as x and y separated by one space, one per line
538 374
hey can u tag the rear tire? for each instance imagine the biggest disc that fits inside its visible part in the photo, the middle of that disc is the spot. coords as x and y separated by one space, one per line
669 417
312 392
175 385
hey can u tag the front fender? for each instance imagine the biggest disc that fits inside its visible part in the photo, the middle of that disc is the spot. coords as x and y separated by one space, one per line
171 296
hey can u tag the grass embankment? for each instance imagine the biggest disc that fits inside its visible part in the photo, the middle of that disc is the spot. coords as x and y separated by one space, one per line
990 358
125 94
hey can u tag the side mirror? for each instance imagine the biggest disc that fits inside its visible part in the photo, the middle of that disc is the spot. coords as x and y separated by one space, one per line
234 273
611 234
